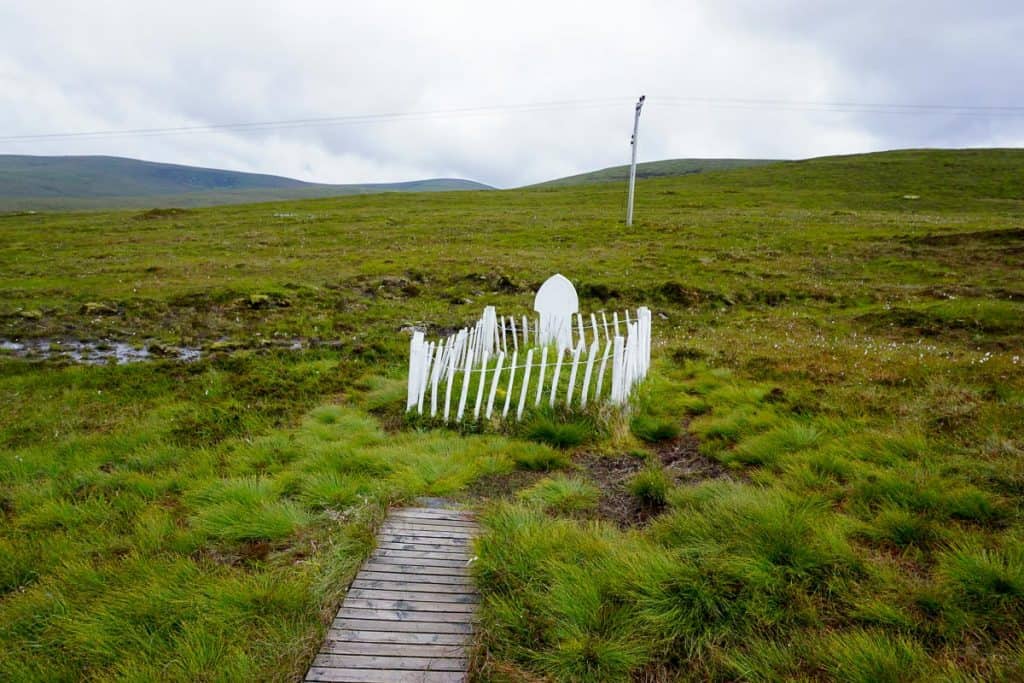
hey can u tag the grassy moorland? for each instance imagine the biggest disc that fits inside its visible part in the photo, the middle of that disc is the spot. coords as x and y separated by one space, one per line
821 480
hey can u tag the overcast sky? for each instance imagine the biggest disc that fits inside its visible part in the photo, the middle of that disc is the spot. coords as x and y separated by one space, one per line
72 66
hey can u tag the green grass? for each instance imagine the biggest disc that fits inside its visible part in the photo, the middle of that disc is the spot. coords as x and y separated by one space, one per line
655 169
848 361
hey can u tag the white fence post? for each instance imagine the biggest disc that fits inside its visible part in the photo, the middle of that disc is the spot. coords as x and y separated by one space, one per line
543 367
511 383
526 385
480 387
554 378
494 385
591 356
572 373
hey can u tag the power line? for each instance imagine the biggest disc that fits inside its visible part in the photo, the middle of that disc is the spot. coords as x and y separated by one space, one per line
674 101
323 121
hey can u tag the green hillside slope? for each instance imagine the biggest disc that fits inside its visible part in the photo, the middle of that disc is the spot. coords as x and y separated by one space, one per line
95 182
655 169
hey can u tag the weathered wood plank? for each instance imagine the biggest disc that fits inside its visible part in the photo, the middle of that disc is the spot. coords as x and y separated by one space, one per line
349 647
420 596
420 532
397 637
449 609
401 614
431 525
389 663
364 623
425 559
411 572
333 675
415 537
403 583
445 552
411 566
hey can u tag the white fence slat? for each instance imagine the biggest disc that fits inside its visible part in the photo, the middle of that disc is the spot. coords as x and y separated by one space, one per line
526 385
526 332
593 326
464 394
554 379
607 334
515 337
425 375
504 336
543 368
591 356
415 362
452 359
480 387
572 373
435 375
600 373
615 323
579 327
511 382
494 385
618 368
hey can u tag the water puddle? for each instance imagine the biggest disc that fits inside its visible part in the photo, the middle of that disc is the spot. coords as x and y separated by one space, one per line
98 352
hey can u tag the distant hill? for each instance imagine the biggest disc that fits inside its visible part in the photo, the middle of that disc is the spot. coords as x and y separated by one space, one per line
655 169
94 182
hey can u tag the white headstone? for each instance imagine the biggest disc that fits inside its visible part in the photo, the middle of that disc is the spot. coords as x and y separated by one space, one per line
556 302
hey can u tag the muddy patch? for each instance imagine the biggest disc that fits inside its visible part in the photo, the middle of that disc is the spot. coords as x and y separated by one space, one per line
503 486
679 458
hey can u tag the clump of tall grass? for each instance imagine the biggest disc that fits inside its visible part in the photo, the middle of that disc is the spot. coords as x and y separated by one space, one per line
562 495
650 486
652 429
873 657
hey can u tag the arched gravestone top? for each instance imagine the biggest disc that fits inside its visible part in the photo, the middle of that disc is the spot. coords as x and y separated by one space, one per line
556 302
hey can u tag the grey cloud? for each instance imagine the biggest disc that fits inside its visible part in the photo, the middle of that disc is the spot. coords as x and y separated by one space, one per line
68 66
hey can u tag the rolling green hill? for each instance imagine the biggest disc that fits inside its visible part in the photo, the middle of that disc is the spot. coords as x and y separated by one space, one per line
655 169
97 182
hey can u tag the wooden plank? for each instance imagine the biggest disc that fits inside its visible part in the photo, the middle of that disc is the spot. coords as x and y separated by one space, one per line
393 564
364 623
437 558
425 531
445 542
394 572
412 545
419 596
397 637
348 647
397 614
334 675
404 584
406 605
389 663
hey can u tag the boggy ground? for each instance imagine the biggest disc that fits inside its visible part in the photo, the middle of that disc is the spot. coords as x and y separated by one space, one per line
846 361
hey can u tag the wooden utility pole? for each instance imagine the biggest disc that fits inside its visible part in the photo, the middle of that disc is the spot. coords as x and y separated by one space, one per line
632 166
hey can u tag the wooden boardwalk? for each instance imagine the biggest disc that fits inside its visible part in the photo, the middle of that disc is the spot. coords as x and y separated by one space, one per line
408 615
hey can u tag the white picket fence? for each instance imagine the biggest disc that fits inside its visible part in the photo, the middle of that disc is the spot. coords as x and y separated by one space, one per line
471 366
